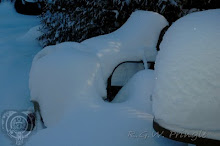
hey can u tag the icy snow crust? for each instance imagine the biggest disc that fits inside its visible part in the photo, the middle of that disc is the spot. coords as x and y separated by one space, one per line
63 73
187 94
69 80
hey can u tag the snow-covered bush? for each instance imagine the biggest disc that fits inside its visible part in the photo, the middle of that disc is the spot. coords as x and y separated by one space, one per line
77 20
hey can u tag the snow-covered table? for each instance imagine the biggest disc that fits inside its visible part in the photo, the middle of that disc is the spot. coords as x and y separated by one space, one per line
186 97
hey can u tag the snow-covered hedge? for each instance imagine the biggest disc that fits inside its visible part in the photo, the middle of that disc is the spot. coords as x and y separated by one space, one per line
77 20
187 95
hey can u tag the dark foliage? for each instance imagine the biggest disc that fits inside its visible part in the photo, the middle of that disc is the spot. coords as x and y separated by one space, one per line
29 8
77 20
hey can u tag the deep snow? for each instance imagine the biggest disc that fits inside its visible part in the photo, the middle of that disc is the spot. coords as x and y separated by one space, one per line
99 123
186 94
63 73
136 40
17 50
68 80
87 119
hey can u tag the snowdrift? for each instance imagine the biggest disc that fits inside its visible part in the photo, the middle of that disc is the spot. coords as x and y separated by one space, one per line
97 124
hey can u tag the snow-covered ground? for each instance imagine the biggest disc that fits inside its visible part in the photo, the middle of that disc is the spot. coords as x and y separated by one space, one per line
99 123
68 80
16 53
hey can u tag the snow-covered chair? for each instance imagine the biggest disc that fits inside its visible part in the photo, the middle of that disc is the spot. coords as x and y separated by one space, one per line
120 75
135 42
186 99
62 75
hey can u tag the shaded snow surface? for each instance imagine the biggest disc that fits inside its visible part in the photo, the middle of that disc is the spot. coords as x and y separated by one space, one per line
17 49
99 123
187 94
69 81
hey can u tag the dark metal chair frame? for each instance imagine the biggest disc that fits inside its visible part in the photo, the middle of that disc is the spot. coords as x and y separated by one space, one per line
113 90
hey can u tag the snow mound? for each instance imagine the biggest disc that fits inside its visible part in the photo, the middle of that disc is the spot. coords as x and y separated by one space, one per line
59 78
68 73
187 84
137 91
135 40
32 34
